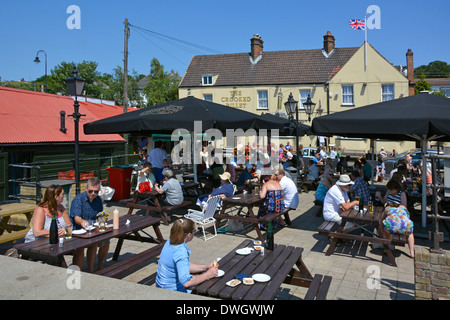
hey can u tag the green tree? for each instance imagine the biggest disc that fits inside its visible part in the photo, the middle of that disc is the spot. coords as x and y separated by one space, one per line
115 84
435 69
161 86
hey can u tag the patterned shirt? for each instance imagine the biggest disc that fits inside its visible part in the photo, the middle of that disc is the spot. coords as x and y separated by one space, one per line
81 207
360 188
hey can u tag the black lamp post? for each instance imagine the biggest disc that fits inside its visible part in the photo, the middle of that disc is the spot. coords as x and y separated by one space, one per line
36 60
309 107
75 85
292 106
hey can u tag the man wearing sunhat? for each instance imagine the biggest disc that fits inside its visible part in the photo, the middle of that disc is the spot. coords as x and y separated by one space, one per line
337 200
226 189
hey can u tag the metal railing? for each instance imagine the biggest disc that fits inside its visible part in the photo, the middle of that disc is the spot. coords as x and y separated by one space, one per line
36 180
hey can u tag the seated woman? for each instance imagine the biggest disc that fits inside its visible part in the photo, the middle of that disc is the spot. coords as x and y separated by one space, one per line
50 204
397 219
273 194
246 177
175 271
325 184
145 174
171 189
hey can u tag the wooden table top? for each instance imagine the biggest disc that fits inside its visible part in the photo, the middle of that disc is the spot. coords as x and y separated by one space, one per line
277 264
42 246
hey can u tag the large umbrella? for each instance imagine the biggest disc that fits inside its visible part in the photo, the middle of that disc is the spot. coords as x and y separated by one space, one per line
289 127
423 117
181 114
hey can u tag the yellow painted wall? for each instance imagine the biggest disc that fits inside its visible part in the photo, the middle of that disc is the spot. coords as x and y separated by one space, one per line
379 71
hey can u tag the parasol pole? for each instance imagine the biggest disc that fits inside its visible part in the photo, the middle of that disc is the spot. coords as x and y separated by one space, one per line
424 182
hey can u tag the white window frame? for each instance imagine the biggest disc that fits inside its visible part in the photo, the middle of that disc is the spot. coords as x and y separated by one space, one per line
346 96
263 101
387 95
303 93
207 79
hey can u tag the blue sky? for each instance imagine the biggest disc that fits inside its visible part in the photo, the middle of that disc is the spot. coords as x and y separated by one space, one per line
224 26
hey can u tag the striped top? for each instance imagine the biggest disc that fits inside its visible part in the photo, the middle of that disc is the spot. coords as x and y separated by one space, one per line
395 199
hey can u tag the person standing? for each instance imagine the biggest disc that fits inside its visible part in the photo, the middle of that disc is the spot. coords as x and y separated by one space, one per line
158 159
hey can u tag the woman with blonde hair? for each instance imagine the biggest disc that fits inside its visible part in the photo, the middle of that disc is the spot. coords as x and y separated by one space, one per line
51 204
175 271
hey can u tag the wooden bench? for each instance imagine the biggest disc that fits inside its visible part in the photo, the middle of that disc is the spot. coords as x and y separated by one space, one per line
15 221
318 288
326 227
272 216
119 268
399 240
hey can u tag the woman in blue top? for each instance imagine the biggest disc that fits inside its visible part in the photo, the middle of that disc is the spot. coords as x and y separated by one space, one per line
175 271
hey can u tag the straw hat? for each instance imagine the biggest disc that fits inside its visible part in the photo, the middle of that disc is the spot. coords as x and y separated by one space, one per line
344 180
225 176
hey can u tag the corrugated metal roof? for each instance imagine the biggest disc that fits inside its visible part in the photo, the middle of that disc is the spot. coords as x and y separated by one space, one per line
34 117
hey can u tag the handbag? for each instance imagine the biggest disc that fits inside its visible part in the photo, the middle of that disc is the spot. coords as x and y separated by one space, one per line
145 187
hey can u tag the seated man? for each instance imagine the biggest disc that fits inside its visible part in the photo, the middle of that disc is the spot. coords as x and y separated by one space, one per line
360 187
225 190
337 201
83 213
289 189
246 177
313 171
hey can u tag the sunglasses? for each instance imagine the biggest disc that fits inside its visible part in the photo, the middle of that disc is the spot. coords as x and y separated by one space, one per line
95 191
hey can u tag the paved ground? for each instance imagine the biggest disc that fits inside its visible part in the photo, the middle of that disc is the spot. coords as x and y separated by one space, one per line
352 265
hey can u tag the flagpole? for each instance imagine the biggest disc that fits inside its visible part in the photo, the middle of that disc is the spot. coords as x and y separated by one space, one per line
365 42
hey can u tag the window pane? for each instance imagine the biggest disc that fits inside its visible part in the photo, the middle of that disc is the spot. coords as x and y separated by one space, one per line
263 102
303 96
347 94
387 92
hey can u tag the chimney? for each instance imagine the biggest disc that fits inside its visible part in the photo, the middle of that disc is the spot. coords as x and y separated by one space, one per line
328 43
410 71
62 116
256 46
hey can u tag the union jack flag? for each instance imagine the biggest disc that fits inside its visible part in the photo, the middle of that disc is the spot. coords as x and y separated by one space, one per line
358 24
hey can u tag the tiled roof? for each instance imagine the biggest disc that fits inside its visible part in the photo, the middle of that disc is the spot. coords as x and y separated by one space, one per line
34 117
275 67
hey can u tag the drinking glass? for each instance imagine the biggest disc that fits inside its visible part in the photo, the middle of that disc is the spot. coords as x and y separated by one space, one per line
370 206
68 231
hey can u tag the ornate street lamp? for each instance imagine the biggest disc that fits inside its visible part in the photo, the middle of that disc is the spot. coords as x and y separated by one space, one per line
309 107
75 85
36 60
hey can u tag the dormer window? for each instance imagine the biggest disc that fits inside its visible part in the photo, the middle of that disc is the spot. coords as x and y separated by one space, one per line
207 80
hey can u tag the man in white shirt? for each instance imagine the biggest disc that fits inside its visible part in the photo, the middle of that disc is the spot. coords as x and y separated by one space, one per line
289 189
337 200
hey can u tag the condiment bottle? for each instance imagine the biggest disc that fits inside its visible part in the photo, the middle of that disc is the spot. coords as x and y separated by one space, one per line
116 219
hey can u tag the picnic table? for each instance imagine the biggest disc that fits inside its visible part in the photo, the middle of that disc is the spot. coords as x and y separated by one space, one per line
15 220
283 265
248 201
42 250
156 206
363 221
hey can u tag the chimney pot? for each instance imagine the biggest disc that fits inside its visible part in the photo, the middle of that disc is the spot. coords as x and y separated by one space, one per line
256 46
328 42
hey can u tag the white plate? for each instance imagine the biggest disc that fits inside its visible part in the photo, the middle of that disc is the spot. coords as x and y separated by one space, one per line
236 198
261 277
257 242
244 251
81 231
233 283
220 273
90 228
